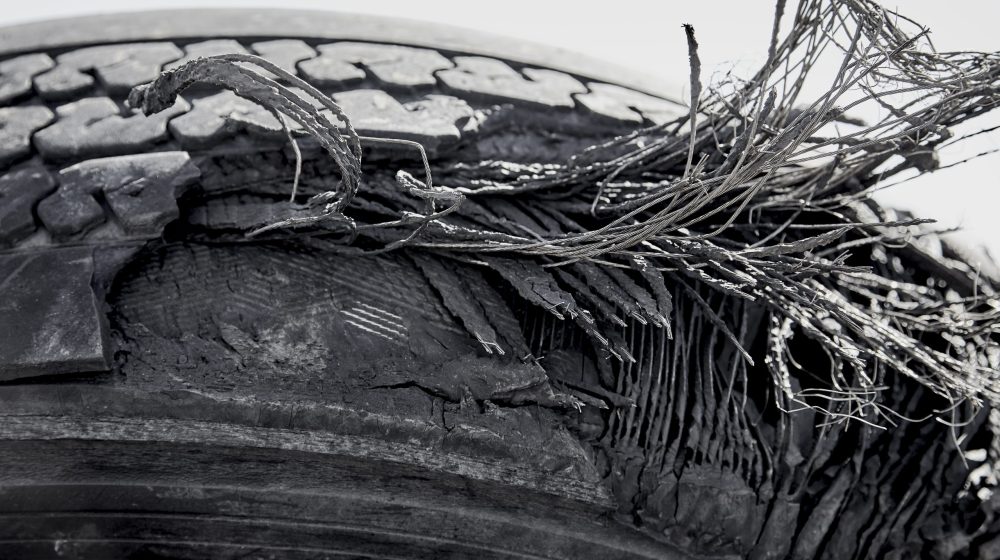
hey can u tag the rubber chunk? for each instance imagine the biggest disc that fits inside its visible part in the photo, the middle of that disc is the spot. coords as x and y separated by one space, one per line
389 64
494 80
49 316
456 298
625 105
94 127
141 191
16 126
19 192
118 67
16 74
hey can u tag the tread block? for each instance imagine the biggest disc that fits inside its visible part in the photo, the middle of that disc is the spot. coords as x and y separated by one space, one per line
19 192
286 53
224 114
16 127
49 316
492 79
390 64
327 70
622 104
118 67
141 191
435 121
208 48
95 126
16 74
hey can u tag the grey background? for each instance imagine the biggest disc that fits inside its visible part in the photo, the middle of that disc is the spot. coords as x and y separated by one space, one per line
646 35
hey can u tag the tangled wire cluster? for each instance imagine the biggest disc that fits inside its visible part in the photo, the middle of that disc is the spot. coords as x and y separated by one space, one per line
754 195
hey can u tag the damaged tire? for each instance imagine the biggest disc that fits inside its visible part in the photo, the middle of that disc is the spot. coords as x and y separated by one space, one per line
169 390
172 385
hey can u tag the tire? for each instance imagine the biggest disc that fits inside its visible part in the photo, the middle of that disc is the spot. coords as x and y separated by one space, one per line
171 388
170 391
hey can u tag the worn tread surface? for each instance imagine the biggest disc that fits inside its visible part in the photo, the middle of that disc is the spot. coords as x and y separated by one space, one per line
382 80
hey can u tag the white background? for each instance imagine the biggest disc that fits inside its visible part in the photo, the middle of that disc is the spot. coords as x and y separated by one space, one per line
646 35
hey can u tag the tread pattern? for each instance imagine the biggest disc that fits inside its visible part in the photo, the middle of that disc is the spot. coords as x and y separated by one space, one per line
622 104
140 191
125 171
338 63
286 53
432 121
208 48
491 79
118 67
95 126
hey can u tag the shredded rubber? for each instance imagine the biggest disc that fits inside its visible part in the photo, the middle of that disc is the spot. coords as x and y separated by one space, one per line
767 214
722 264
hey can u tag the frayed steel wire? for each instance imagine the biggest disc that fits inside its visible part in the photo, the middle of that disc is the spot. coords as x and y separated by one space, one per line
748 196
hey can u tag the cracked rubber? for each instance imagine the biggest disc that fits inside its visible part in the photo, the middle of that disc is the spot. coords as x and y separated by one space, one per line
167 391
